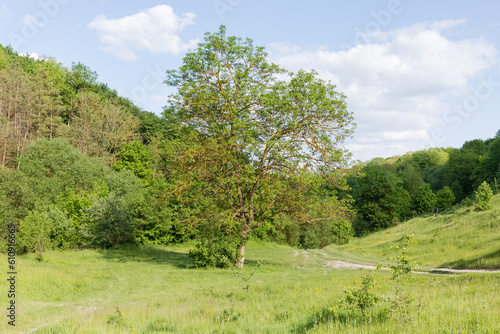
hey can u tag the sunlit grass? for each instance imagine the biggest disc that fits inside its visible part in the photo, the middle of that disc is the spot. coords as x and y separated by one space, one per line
157 290
461 238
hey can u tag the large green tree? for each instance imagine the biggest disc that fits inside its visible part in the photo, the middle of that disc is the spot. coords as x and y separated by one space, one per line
256 129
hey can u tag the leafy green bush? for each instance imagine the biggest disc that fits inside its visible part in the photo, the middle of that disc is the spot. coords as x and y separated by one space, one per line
482 197
341 232
362 297
136 157
309 239
380 198
109 223
280 229
324 233
218 245
445 199
424 200
63 232
34 233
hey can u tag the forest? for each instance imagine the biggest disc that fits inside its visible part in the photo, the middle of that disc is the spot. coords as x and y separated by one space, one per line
238 154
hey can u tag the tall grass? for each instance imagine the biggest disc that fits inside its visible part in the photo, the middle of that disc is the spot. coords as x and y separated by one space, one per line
156 290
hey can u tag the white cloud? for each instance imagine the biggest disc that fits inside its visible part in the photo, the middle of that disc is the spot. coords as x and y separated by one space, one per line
155 30
32 55
406 135
400 87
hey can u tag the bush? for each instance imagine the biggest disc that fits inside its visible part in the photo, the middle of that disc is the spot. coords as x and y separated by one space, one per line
63 232
280 229
109 223
324 233
341 232
380 199
424 200
482 197
34 233
218 245
309 239
445 198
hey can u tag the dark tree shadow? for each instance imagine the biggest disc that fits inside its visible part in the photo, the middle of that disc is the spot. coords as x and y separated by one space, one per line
155 255
149 254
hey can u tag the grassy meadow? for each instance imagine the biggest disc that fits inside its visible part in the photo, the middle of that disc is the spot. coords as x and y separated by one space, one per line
156 290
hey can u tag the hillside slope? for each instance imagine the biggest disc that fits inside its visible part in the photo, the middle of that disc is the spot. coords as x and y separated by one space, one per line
462 238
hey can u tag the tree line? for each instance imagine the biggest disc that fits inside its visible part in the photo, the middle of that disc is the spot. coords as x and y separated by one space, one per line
398 188
244 149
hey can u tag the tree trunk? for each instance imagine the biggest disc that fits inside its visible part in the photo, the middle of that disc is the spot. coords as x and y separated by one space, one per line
241 252
241 259
7 129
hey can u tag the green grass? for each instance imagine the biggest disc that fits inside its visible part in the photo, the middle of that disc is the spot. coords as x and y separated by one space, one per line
459 239
156 290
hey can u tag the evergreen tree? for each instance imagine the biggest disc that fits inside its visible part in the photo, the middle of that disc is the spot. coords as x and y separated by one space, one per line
482 197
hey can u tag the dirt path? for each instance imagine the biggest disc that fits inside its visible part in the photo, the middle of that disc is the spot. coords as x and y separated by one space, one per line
338 264
344 265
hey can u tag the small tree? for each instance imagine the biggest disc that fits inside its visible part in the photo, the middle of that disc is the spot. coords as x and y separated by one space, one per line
363 297
34 233
424 200
382 200
482 197
401 302
445 198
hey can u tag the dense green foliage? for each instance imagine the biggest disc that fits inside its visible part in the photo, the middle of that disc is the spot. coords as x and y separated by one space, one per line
239 153
424 200
83 167
256 140
482 197
381 199
445 198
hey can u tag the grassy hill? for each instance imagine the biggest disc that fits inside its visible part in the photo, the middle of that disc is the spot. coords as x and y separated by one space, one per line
461 238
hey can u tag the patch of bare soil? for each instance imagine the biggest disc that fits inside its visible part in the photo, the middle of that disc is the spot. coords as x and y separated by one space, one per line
337 264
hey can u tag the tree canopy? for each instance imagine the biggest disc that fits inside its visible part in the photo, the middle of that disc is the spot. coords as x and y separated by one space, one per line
256 129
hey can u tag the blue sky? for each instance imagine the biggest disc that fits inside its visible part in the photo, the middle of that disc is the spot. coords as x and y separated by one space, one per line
417 74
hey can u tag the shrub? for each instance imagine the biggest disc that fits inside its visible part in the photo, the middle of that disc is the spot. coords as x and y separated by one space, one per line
324 233
445 198
109 223
424 200
380 198
280 229
291 232
63 232
33 235
218 244
482 197
341 231
309 239
362 297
